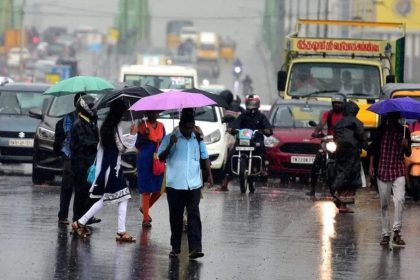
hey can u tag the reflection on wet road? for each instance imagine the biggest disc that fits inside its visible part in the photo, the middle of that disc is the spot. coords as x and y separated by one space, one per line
278 233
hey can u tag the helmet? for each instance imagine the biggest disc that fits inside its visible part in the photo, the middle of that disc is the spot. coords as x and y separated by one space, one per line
77 96
337 98
252 102
85 104
227 96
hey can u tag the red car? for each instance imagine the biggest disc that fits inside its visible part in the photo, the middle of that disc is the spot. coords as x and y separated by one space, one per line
291 149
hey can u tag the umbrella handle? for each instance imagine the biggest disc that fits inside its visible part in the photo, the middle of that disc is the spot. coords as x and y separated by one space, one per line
131 112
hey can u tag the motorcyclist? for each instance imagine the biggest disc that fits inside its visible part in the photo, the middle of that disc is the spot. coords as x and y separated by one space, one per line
330 118
234 109
251 119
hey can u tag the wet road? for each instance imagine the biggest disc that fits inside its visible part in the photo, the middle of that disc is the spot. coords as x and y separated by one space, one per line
277 233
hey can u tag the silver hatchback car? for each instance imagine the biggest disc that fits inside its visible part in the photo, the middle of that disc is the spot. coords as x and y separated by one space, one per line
17 128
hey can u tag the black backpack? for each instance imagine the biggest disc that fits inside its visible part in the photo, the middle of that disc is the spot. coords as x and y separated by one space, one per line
59 137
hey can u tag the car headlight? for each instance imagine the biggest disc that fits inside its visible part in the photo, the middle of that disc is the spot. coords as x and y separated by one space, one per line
45 134
270 142
331 147
213 137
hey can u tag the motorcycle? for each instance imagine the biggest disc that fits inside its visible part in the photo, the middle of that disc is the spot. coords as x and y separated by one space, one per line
245 163
325 159
413 166
328 147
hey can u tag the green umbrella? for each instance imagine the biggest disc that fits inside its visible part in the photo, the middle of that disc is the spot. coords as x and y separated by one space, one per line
88 84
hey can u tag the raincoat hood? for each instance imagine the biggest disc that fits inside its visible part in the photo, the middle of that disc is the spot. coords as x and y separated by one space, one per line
351 108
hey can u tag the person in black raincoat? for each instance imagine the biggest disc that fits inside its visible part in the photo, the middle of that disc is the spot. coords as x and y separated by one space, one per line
83 146
350 139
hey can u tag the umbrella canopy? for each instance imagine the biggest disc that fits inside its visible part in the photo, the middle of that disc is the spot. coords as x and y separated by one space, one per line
409 108
172 100
131 94
220 101
88 84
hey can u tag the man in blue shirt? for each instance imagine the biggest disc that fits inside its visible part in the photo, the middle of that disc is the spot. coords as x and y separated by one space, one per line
182 152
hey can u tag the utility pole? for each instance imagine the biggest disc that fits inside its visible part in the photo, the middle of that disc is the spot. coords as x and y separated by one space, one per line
22 37
326 11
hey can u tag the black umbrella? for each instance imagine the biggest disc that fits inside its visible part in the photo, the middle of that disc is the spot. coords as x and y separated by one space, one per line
131 95
216 98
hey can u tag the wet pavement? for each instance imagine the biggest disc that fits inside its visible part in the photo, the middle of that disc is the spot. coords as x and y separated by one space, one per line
277 233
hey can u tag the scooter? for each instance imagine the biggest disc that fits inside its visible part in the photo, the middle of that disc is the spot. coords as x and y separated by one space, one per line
245 163
413 166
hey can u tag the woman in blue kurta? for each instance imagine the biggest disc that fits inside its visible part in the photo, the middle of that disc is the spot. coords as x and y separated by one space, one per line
150 134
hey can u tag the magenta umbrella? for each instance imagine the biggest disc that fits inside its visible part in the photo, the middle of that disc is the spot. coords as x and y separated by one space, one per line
172 100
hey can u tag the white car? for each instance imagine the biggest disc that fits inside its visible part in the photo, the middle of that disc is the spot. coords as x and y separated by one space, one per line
13 56
217 140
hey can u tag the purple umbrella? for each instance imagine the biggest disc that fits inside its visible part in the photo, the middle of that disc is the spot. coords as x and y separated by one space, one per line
409 108
172 100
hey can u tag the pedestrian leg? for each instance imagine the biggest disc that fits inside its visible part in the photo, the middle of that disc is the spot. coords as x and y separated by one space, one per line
176 203
155 196
92 211
194 221
66 192
145 207
384 195
122 216
398 188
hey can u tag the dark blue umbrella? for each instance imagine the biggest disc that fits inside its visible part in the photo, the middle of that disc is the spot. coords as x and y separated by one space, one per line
409 108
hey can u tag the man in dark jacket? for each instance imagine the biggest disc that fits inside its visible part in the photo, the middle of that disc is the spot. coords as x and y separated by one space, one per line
83 145
350 139
251 119
62 148
387 163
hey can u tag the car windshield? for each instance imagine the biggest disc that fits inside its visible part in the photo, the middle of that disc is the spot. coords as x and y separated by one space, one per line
19 103
160 81
297 115
63 105
354 80
205 114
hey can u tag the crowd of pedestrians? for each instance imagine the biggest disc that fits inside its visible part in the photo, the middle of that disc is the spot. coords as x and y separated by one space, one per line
81 145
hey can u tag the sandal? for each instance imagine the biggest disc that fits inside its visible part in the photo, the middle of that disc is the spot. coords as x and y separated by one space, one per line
173 254
124 237
141 211
80 230
146 224
345 209
397 240
384 241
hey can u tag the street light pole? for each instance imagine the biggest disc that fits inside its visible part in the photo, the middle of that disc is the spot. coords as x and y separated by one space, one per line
22 37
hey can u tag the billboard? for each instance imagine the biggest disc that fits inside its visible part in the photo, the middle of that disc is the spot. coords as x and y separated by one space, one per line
407 11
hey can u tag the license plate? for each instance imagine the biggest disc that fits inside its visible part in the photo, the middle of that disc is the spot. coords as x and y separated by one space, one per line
244 142
245 148
302 160
21 142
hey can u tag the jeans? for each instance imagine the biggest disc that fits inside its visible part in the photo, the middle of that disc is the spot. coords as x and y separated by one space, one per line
67 185
398 189
177 201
